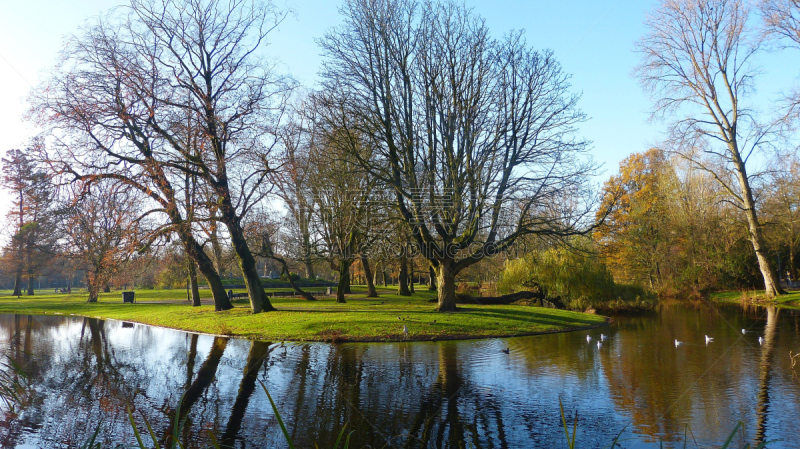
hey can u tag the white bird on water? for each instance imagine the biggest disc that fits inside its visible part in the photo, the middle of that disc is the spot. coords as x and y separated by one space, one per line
603 337
599 345
588 338
760 340
678 343
744 331
709 339
405 331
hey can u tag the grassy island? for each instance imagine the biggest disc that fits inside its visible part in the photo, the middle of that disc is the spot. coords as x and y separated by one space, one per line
360 319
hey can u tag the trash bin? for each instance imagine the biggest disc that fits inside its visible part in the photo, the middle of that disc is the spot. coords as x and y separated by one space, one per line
128 297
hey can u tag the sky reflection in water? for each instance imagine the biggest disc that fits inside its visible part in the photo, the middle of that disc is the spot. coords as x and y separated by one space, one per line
447 394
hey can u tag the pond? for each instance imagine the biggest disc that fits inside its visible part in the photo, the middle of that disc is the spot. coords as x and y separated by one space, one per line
83 373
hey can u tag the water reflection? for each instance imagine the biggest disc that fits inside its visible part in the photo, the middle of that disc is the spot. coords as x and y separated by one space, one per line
84 372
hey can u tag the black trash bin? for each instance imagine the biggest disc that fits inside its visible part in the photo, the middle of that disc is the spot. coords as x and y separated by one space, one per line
128 297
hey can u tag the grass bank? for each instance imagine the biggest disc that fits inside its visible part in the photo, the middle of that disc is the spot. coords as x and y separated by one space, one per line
360 319
790 300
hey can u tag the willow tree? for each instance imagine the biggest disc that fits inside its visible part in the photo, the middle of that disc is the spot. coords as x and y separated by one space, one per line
697 64
475 135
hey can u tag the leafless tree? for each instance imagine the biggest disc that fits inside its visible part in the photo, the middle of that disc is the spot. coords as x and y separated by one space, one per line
101 229
697 64
173 89
474 135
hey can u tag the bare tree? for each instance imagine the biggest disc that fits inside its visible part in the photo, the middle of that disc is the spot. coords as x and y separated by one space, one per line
100 230
474 135
782 18
207 61
697 66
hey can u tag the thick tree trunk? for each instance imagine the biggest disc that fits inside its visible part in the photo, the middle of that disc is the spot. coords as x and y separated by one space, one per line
431 279
309 268
259 302
371 291
92 288
195 290
31 280
18 283
403 278
446 283
385 277
344 280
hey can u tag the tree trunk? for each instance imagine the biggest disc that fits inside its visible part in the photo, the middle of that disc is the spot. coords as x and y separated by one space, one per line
30 283
431 279
344 280
309 268
18 283
247 263
446 283
411 276
193 284
385 277
792 271
371 291
92 288
206 267
772 287
403 278
106 288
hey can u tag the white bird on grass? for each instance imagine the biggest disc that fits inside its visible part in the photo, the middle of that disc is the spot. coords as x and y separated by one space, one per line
678 343
709 339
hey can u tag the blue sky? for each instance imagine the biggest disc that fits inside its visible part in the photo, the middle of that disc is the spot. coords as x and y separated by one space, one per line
593 39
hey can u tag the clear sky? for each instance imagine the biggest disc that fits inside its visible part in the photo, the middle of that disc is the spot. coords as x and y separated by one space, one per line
593 39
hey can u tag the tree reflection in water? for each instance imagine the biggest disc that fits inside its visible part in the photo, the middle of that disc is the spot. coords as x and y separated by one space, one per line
447 394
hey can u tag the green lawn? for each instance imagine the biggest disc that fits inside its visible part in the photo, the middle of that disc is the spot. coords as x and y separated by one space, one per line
360 319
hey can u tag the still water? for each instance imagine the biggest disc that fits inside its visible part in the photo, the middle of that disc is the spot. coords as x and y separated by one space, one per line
84 372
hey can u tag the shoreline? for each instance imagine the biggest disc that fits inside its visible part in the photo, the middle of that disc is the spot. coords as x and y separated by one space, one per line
412 339
360 320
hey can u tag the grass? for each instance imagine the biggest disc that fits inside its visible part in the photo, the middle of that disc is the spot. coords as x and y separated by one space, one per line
360 319
790 300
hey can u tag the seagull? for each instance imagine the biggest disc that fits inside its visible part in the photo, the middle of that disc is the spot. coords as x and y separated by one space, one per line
744 331
678 343
588 338
507 350
760 340
603 337
709 339
405 331
599 345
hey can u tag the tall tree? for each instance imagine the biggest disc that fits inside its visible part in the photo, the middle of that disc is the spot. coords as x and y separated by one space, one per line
31 217
473 134
697 65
